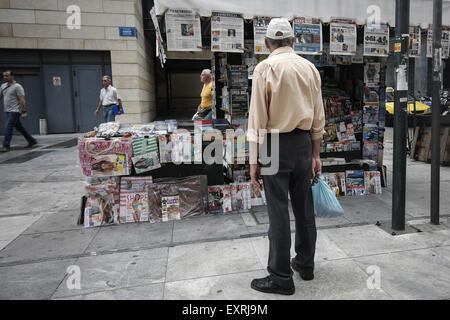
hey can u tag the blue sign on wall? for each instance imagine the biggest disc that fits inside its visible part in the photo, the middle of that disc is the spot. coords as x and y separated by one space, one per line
127 31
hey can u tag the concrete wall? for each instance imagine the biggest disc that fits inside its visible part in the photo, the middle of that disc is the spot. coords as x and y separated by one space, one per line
41 24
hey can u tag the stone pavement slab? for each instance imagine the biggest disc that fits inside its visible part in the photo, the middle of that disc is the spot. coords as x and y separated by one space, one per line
340 279
46 246
211 258
414 274
12 227
118 271
371 240
226 226
52 222
132 235
36 281
235 286
149 292
326 249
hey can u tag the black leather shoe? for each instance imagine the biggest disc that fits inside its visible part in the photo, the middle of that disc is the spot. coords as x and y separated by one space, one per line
268 286
30 145
306 273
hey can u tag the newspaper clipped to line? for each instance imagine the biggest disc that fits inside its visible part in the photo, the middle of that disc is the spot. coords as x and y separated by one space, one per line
445 43
308 35
259 31
376 40
414 41
227 32
342 38
159 41
183 30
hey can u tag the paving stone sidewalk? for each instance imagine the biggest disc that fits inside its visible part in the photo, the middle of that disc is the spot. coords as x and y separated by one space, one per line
211 256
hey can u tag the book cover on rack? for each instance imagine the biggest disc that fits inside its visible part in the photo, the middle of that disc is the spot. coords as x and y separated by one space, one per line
355 182
165 148
134 199
370 151
372 180
109 165
336 181
370 133
170 208
146 162
256 196
227 201
215 199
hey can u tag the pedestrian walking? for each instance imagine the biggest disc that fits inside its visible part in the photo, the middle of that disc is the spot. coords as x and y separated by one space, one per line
109 97
204 109
14 105
287 95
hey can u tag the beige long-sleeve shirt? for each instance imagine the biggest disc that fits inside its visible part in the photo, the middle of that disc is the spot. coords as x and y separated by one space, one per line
286 94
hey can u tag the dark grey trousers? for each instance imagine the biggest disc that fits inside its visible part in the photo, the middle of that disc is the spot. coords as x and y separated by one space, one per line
293 176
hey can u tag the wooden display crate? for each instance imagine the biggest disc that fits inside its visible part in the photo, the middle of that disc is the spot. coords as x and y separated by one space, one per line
421 146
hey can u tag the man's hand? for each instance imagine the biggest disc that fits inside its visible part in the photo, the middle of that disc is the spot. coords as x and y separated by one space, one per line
255 175
316 166
96 112
24 114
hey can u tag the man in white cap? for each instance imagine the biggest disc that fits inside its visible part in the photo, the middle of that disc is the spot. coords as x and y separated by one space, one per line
287 96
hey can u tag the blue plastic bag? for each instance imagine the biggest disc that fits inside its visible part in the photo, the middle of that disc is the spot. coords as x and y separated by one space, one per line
326 205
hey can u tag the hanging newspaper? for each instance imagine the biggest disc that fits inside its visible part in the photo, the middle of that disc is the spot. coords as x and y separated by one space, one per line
183 30
376 40
444 43
414 41
227 32
159 41
343 38
308 35
259 31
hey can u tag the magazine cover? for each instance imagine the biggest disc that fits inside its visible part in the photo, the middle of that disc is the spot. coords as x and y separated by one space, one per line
134 206
134 199
100 211
234 200
146 162
330 131
241 196
357 122
256 196
372 181
227 202
165 149
371 94
336 181
109 165
370 133
355 182
170 208
263 193
370 151
355 145
215 199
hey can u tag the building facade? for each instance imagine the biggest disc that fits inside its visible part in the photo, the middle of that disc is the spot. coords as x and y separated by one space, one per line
60 49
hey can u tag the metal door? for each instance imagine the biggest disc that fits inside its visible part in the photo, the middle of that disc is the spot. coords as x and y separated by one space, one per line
34 102
87 81
58 97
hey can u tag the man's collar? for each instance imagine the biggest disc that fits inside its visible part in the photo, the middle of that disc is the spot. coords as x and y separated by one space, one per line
285 49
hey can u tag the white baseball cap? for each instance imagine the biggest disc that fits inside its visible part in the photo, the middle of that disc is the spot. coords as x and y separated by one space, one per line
279 28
